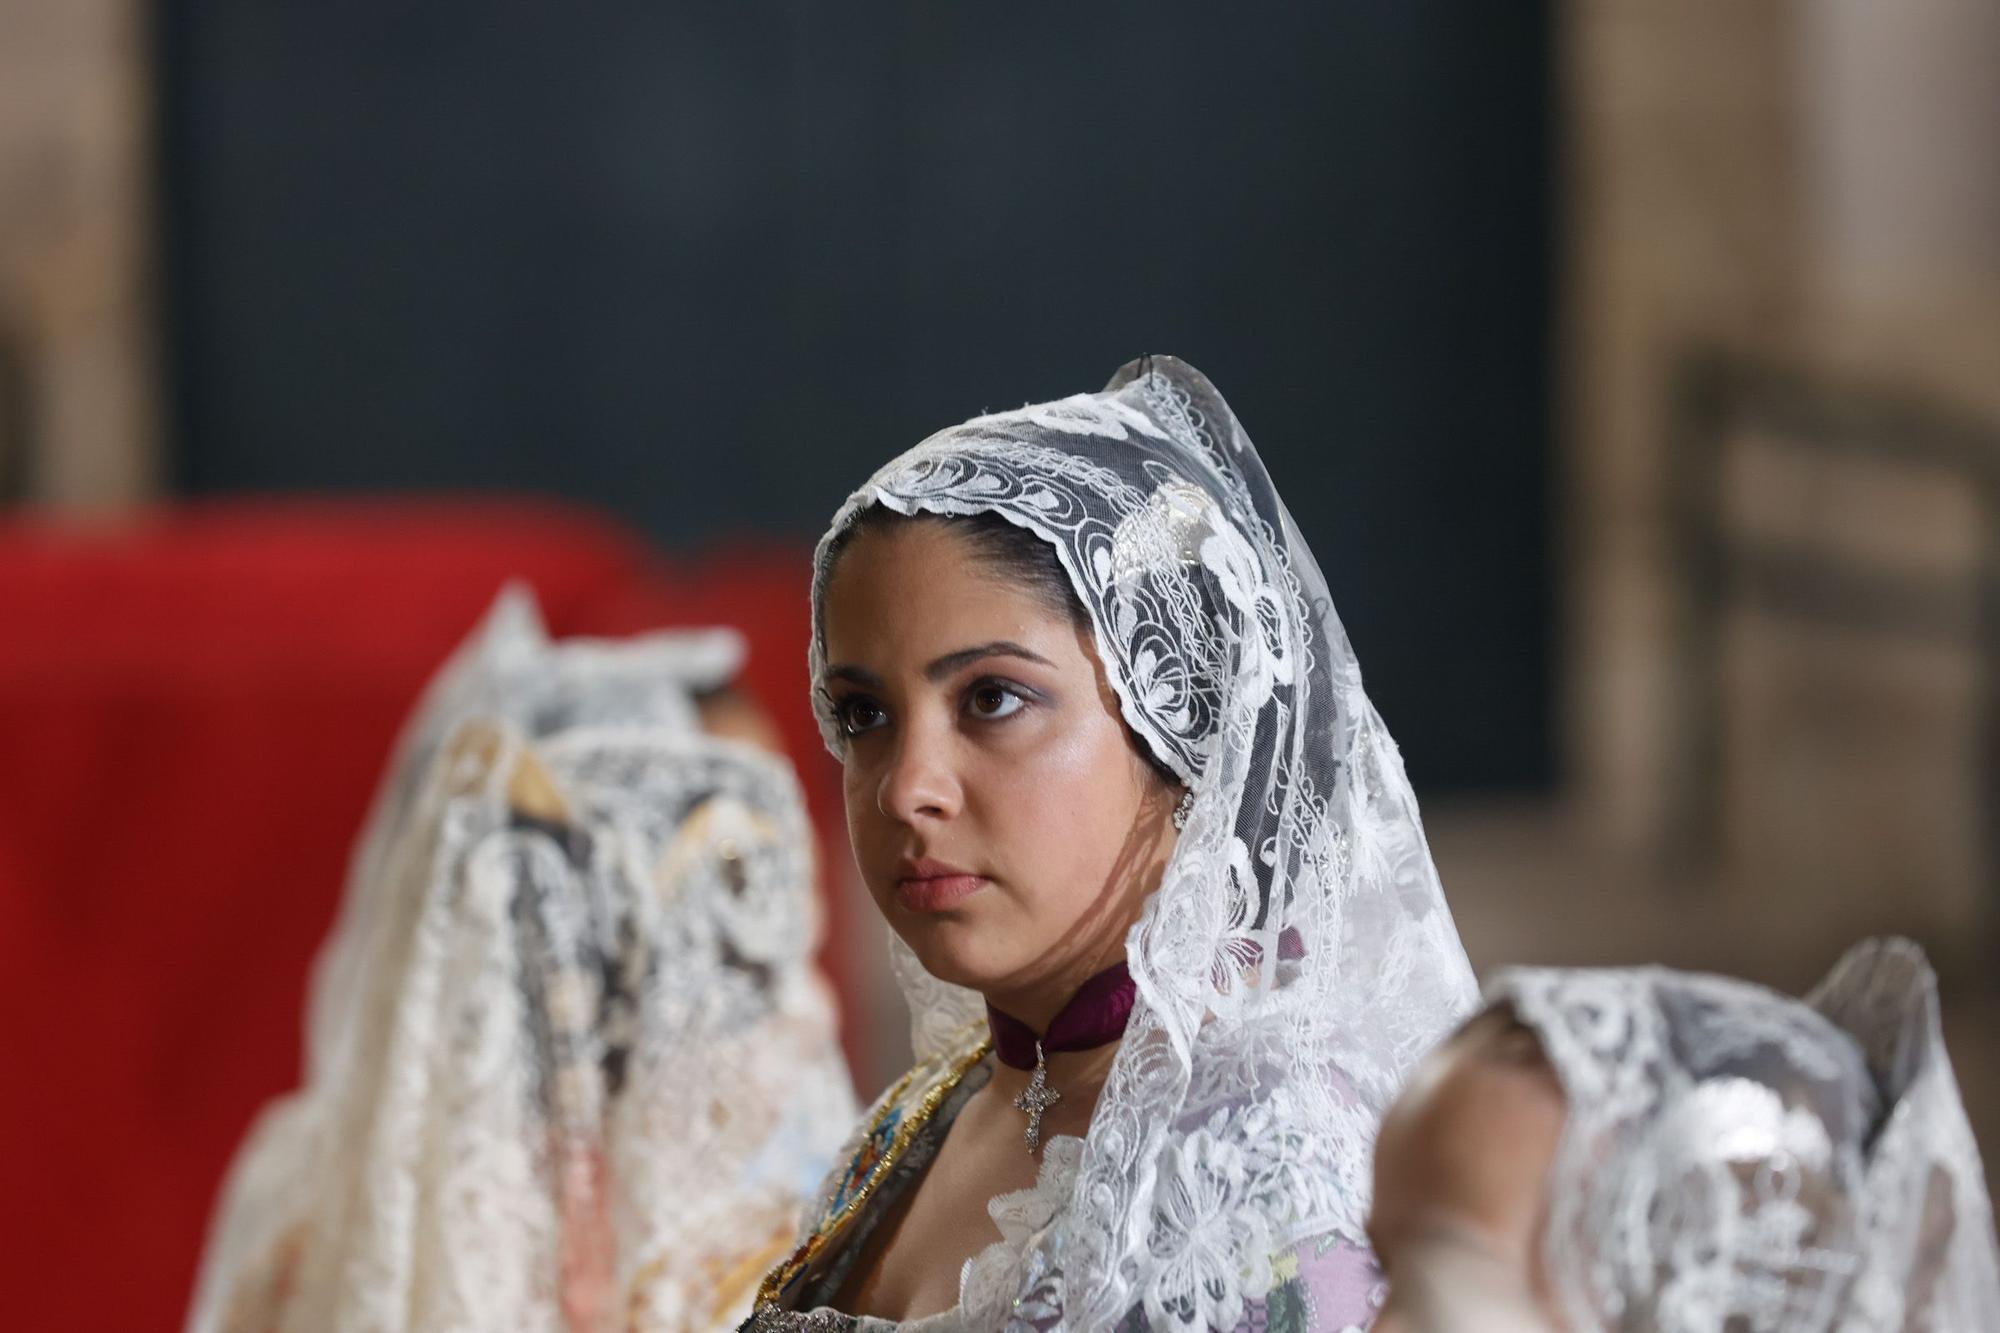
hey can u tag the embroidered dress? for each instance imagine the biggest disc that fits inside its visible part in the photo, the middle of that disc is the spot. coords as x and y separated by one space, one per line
1324 1286
1298 956
569 1067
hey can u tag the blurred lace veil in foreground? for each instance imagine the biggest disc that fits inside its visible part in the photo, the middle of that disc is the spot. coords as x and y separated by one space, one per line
569 1066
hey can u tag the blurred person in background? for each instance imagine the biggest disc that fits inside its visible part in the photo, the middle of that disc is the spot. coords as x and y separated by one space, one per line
1647 1149
569 1065
1163 908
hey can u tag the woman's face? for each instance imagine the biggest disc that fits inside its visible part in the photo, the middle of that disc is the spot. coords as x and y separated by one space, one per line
1003 820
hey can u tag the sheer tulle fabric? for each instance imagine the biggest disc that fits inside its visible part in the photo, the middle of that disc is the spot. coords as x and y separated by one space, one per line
1735 1159
1298 956
569 1067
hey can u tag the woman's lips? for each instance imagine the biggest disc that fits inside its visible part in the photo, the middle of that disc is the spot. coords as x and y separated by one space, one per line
937 892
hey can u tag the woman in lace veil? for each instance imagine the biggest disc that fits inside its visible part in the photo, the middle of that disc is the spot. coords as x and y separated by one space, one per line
569 1067
1162 903
1663 1152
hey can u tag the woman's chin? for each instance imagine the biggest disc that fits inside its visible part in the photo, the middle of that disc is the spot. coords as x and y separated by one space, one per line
955 953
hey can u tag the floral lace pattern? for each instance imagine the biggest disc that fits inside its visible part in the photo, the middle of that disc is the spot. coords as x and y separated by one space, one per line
1298 956
569 1067
1735 1159
1313 1288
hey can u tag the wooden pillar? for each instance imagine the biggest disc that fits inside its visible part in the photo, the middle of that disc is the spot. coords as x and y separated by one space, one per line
79 419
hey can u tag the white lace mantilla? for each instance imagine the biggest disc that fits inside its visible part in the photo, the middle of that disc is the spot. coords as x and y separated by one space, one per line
569 1066
1738 1160
1298 956
991 1277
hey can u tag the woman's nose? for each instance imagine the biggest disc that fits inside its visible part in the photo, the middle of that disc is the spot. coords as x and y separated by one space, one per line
919 783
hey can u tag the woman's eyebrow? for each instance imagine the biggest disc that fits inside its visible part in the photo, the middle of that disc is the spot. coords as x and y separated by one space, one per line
854 675
950 662
941 667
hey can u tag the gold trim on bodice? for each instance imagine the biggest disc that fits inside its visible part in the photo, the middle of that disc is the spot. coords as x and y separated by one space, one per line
893 1128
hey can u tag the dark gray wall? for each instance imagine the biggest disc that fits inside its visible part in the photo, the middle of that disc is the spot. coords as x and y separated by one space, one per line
707 264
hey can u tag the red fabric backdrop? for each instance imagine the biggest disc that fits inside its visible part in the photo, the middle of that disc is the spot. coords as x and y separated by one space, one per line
194 709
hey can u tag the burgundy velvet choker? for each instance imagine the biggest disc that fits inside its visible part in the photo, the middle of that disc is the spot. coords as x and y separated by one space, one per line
1095 1016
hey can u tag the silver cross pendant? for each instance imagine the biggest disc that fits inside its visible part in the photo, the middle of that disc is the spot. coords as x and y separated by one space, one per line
1036 1098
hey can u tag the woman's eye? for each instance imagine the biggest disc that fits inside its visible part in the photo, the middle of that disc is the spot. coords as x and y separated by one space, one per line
990 700
857 714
